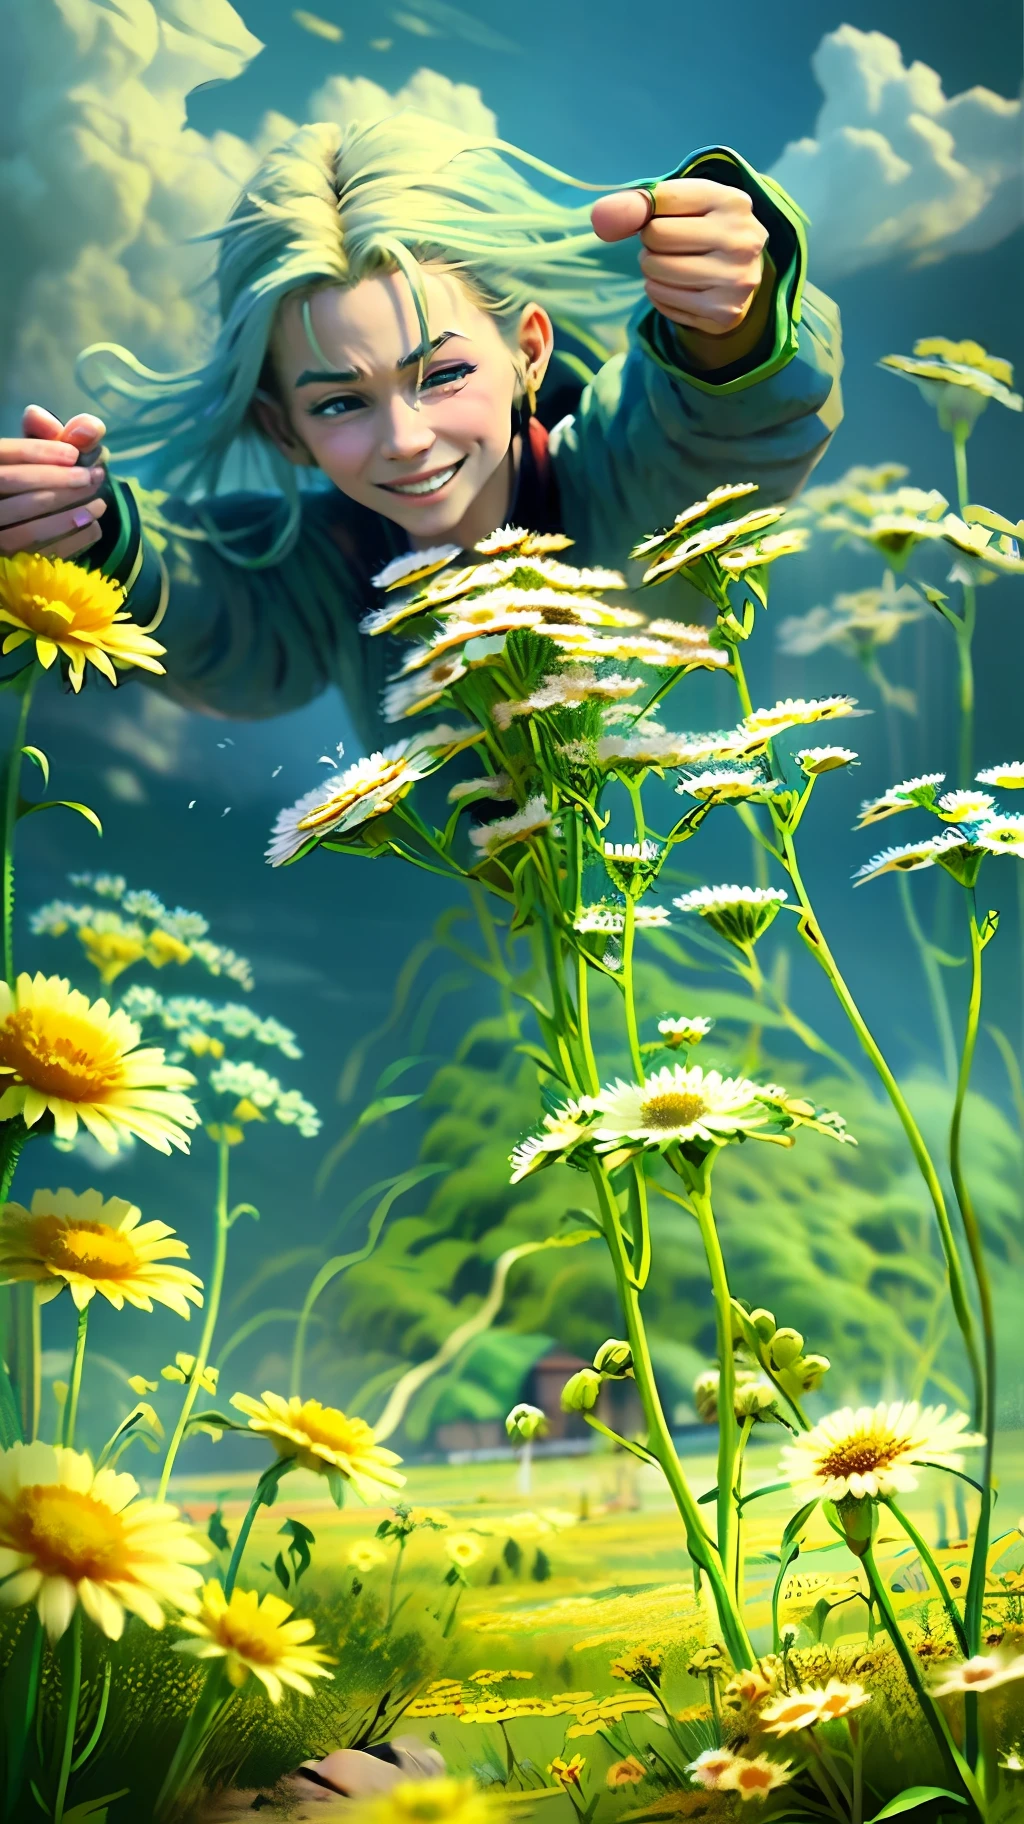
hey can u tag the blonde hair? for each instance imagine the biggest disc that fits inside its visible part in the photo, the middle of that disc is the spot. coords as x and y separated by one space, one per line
333 206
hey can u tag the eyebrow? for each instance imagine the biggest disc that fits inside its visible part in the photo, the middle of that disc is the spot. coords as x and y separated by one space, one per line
412 359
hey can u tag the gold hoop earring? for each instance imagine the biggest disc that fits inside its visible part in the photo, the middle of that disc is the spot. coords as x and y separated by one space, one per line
530 389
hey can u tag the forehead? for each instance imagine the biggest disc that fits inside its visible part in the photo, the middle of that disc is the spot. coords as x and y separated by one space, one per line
373 325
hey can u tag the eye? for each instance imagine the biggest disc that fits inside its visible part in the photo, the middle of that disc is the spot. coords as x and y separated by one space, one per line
441 378
339 407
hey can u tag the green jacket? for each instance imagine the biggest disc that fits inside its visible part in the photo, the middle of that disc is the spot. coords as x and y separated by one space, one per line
645 438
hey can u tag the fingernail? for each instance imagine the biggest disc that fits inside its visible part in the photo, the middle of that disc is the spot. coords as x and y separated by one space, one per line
78 478
83 517
96 475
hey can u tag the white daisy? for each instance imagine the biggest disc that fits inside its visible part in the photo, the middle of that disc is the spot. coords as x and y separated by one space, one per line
683 1031
982 1673
953 806
1000 835
366 789
875 1450
612 919
1009 778
794 712
674 1104
666 749
920 791
411 566
508 539
631 851
908 856
740 914
562 1130
765 550
718 497
490 837
816 760
407 697
682 553
721 783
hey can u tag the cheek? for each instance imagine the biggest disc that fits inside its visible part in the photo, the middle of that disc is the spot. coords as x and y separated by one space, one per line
480 414
341 446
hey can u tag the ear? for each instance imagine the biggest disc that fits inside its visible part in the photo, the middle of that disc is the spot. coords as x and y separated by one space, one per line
536 339
271 418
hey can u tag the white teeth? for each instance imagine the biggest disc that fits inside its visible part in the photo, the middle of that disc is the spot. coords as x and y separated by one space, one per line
430 486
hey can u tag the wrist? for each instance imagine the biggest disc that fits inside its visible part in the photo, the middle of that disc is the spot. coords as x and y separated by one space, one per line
707 350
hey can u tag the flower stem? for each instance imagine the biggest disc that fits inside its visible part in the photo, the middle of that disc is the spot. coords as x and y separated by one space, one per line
964 627
75 1384
69 1709
632 1032
814 938
700 1196
12 780
974 1605
213 1297
933 978
37 1364
395 1574
659 1438
953 1761
200 1723
737 1492
264 1496
928 1560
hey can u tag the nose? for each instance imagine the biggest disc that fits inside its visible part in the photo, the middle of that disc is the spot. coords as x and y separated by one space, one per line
407 433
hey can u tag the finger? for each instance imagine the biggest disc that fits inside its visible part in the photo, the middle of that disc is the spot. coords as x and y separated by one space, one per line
21 509
34 449
35 533
698 271
73 480
698 196
616 217
70 547
715 311
36 421
84 430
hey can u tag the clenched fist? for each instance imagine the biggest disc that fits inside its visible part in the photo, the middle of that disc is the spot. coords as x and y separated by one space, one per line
701 252
47 497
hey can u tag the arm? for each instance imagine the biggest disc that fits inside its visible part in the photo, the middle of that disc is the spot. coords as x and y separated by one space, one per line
670 419
246 642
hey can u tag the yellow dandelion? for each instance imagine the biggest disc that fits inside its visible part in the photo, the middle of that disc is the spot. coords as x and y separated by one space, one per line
94 1246
111 946
463 1550
164 947
77 1061
568 1773
77 612
366 1555
444 1801
73 1534
323 1439
254 1636
794 1710
625 1773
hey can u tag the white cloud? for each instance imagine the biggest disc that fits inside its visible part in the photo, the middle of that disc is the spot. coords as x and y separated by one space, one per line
895 170
345 98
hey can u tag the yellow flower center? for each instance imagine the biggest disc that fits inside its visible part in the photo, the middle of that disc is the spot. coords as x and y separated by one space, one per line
754 1779
111 951
58 600
861 1453
60 1054
673 1108
66 1534
91 1248
250 1635
344 800
977 1675
164 947
325 1425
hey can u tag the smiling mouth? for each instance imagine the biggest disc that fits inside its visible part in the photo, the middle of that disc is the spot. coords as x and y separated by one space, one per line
421 486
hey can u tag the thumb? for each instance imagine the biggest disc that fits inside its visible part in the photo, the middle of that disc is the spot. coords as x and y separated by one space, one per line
36 421
616 217
85 430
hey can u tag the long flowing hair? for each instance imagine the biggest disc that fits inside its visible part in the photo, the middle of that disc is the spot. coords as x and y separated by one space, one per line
332 206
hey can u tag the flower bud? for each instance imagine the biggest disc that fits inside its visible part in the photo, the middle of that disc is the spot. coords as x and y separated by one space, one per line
705 1396
614 1358
764 1323
811 1370
858 1517
786 1346
753 1398
581 1390
525 1423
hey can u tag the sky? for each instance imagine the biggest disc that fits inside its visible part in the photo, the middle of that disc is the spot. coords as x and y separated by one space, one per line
896 127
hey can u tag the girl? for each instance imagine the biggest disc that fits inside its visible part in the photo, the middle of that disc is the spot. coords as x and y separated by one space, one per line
406 359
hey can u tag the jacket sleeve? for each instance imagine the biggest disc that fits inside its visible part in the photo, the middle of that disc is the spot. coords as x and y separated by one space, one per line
652 433
243 641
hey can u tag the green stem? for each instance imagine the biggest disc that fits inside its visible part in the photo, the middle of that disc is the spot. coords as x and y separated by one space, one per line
37 1364
213 1297
202 1720
857 1740
69 1708
814 938
964 627
396 1572
737 1495
953 1760
264 1496
75 1384
933 979
928 1560
632 1033
659 1438
12 781
974 1605
700 1194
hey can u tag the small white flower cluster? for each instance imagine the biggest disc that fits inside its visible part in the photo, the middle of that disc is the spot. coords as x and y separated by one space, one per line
248 1082
631 851
221 961
490 837
181 1012
611 920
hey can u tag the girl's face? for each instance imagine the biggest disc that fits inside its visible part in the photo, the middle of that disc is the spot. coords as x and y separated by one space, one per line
438 462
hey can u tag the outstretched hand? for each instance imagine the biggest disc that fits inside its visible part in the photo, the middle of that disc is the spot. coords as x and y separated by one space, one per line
700 255
47 497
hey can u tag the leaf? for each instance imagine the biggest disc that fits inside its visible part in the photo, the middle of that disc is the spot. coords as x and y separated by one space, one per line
398 1069
541 1059
214 1421
912 1798
19 680
94 1811
934 596
217 1532
25 809
36 754
281 1572
385 1105
298 1551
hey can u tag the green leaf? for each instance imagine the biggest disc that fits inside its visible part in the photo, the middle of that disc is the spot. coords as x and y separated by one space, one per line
541 1059
36 754
94 1811
336 1485
217 1532
19 680
398 1069
214 1421
298 1551
934 596
912 1798
25 809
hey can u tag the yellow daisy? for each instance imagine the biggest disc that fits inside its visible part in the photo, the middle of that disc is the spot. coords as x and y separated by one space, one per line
80 613
73 1534
463 1550
324 1440
74 1059
568 1773
94 1246
254 1635
756 1778
444 1801
625 1773
366 1555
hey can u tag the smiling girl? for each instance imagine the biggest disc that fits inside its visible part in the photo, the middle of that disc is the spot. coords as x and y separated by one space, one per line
414 350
